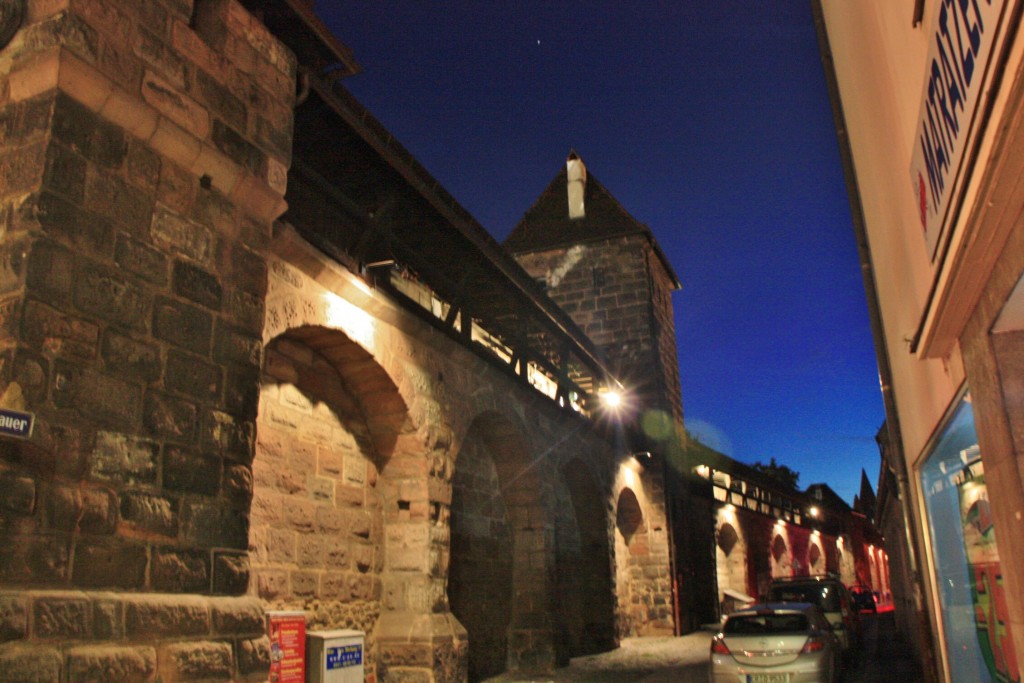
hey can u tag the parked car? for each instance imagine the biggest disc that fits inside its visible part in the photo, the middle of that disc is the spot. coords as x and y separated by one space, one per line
863 599
828 593
790 642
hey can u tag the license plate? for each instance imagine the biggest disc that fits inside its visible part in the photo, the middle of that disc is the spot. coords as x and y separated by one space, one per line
767 678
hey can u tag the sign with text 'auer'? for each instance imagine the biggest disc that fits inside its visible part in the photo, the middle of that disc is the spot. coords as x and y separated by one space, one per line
16 423
961 46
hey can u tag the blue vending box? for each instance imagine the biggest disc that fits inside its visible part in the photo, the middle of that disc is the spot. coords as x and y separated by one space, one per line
334 656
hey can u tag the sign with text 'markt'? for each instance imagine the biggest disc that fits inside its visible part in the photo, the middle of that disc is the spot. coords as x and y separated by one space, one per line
962 44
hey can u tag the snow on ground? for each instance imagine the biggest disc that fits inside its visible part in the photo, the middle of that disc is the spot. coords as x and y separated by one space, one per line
643 660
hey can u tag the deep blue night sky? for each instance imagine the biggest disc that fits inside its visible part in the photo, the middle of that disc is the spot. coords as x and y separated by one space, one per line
709 122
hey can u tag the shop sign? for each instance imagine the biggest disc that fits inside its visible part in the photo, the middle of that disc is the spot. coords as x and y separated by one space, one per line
287 632
961 47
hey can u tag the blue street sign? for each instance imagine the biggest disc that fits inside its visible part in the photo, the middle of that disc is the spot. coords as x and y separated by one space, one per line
16 423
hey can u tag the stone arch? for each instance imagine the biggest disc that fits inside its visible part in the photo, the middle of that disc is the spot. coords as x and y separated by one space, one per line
585 605
328 422
816 560
731 555
629 516
781 558
498 532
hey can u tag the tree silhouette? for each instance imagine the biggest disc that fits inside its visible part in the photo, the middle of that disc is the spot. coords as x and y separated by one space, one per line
780 474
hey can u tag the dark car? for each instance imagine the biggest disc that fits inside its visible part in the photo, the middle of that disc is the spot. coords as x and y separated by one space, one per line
863 599
828 593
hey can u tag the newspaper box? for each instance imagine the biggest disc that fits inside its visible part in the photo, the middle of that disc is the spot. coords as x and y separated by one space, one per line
334 656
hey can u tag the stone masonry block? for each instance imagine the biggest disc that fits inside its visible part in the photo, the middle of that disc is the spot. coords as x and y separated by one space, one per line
254 656
192 377
233 436
142 166
222 103
236 148
212 524
245 311
173 570
64 171
215 211
17 493
191 472
171 232
112 197
197 285
106 400
105 293
186 326
249 270
170 416
237 617
107 619
176 190
111 663
130 358
165 616
80 129
34 559
203 660
141 260
50 273
31 664
13 617
238 482
71 224
161 58
110 563
169 100
58 333
230 572
150 513
98 511
61 615
233 346
12 266
124 459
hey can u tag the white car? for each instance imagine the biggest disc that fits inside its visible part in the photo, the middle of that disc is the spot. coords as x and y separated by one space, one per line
790 642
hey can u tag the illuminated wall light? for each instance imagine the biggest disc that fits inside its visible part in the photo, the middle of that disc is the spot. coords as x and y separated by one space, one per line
350 319
611 398
629 476
814 511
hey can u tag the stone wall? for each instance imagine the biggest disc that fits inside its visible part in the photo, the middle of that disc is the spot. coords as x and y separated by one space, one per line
143 150
619 294
227 421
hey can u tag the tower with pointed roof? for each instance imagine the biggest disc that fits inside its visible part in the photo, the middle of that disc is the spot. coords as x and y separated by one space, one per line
606 270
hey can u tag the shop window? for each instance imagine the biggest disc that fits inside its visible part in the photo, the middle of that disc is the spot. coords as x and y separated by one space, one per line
968 577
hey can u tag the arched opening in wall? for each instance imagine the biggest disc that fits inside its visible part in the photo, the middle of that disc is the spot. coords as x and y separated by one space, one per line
495 502
328 420
731 564
815 560
585 604
781 562
631 548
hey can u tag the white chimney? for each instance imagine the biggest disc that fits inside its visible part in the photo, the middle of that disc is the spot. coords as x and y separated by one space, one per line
577 174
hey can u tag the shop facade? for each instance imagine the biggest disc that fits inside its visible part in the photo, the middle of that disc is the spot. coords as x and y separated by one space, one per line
928 99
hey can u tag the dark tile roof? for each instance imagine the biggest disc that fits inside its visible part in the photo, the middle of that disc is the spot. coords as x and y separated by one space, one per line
546 224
